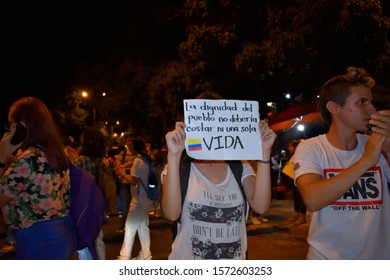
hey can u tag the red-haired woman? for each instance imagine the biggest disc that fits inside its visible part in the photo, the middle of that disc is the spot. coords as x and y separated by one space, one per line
35 184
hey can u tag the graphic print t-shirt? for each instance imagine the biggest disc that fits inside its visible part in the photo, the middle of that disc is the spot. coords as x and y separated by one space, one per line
212 220
356 226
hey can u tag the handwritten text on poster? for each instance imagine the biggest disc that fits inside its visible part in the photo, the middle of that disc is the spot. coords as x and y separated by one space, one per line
222 129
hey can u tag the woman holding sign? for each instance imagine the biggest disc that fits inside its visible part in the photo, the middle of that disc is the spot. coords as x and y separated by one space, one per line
208 201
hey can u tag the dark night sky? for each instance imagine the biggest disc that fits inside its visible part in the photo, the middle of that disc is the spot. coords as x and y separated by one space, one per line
42 43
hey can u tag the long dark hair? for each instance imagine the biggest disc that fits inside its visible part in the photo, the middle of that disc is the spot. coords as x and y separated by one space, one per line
209 95
93 143
139 147
41 130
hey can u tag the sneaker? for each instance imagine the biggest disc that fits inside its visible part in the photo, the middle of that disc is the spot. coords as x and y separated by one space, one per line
10 243
158 214
293 218
300 220
8 246
255 221
264 220
143 257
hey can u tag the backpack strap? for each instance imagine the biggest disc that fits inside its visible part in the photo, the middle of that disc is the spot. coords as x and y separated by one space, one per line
237 168
142 184
185 168
146 160
184 171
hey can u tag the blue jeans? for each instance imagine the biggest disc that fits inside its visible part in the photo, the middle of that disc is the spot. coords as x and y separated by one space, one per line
53 239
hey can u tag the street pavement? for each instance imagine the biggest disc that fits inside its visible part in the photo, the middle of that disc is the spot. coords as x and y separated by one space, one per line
275 239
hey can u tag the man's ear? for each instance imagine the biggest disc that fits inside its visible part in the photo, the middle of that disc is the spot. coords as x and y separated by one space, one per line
333 107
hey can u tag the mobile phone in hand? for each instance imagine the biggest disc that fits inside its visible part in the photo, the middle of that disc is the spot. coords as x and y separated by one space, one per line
20 134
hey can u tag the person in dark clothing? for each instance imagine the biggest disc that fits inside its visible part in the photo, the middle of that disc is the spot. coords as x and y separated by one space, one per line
299 216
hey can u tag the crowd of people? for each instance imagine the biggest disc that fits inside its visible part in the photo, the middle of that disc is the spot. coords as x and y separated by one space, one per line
342 177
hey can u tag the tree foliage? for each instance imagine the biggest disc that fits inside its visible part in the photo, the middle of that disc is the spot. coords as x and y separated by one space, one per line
72 116
246 49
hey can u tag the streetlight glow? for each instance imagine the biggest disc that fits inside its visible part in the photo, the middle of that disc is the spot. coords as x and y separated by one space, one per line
84 94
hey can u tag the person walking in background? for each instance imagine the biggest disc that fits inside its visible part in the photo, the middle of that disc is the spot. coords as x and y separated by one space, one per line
158 161
115 207
137 219
299 216
276 166
253 217
343 175
92 153
213 178
124 160
35 184
70 151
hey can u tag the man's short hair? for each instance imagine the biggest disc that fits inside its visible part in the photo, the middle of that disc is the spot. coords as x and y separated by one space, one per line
337 89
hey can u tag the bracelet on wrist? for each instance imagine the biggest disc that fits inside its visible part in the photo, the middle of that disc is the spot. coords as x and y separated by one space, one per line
264 161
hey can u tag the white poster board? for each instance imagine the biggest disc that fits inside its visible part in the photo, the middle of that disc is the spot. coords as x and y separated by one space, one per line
222 129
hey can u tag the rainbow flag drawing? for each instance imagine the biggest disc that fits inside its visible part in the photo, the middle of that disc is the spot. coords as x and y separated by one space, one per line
194 144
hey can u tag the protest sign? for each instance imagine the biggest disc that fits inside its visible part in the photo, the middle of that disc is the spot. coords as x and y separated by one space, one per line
222 129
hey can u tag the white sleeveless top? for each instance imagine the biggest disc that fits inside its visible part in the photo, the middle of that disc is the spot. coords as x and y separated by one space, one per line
213 222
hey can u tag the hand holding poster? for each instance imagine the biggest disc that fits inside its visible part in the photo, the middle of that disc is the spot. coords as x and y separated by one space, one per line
222 129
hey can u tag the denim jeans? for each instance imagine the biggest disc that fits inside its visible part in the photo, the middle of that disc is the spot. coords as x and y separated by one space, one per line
53 239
